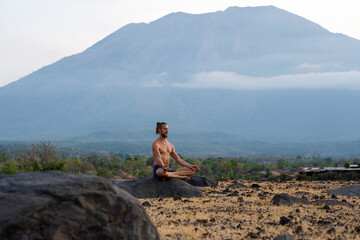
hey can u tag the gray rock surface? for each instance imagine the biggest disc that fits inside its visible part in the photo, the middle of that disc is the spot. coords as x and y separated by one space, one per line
201 182
236 184
284 237
286 199
332 203
153 187
56 205
350 191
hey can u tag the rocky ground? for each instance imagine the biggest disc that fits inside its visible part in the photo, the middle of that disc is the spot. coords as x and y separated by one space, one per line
246 210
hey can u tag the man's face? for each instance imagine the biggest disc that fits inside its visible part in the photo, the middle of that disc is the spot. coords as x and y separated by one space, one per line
164 131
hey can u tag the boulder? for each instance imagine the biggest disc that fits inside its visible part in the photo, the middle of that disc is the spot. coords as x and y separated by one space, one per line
153 187
350 191
286 199
56 205
201 182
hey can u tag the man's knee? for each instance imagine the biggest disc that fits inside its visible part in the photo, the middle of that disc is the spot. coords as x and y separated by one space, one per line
161 172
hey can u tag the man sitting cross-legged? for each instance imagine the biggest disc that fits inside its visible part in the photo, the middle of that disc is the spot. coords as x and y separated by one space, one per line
162 150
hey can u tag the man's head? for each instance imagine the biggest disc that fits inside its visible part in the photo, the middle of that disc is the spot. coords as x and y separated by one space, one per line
162 129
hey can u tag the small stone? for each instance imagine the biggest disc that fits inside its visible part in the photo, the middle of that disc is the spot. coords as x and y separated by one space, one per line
331 231
260 195
146 204
177 198
334 196
206 235
240 199
284 220
201 220
298 230
326 207
253 235
257 186
227 190
234 194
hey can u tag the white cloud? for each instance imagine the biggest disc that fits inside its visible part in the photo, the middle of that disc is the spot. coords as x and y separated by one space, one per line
230 80
153 83
308 66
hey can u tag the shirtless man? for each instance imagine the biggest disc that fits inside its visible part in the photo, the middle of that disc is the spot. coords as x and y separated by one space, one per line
162 149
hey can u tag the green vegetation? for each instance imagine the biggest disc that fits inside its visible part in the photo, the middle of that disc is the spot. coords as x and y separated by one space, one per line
44 156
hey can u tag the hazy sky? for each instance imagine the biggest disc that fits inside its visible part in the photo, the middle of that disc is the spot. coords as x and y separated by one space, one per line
39 32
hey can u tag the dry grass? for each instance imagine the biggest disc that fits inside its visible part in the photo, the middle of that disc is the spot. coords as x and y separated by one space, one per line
218 216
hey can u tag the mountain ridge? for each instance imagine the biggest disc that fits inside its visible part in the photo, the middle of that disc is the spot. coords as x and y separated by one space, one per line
128 81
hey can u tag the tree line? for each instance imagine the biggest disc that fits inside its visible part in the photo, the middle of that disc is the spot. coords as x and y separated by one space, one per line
44 156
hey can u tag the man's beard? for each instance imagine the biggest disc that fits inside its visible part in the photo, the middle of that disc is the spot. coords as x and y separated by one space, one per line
164 135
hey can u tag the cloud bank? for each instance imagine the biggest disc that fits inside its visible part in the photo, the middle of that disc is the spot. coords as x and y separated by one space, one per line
230 80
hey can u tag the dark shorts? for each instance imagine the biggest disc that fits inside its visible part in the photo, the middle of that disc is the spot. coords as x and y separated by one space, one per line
156 167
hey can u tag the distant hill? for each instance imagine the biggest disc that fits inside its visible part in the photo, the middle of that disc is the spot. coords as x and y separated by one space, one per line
255 73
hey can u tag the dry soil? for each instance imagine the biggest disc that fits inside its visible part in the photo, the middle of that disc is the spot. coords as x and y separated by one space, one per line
250 214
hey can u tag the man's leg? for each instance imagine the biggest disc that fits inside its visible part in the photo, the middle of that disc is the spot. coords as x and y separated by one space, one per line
177 174
185 172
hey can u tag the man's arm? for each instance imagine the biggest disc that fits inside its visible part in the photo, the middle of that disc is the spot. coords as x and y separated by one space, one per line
176 157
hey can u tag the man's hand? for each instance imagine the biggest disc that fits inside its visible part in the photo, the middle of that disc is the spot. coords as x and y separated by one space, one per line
166 168
195 168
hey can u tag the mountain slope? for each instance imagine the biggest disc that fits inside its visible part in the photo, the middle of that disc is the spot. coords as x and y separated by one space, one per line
130 80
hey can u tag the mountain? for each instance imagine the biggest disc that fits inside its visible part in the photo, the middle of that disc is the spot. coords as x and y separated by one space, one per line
255 73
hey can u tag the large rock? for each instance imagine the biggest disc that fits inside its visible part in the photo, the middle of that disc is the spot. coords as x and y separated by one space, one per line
350 191
286 199
237 184
201 182
153 187
55 205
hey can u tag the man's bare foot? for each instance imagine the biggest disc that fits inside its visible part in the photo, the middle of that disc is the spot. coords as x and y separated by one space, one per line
186 178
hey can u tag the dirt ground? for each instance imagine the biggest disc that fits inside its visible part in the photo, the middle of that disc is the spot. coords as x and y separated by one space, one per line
250 214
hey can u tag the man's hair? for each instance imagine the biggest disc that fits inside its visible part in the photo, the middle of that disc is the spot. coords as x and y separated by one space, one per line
159 126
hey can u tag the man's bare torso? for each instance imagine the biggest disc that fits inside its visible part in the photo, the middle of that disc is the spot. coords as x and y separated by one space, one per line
165 148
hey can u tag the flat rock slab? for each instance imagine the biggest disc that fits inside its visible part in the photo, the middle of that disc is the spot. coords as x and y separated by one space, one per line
349 191
286 199
56 205
153 187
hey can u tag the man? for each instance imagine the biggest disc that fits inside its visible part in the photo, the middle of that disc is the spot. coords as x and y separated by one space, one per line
162 150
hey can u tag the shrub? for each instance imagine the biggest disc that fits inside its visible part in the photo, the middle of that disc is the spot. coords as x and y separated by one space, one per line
10 167
104 172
